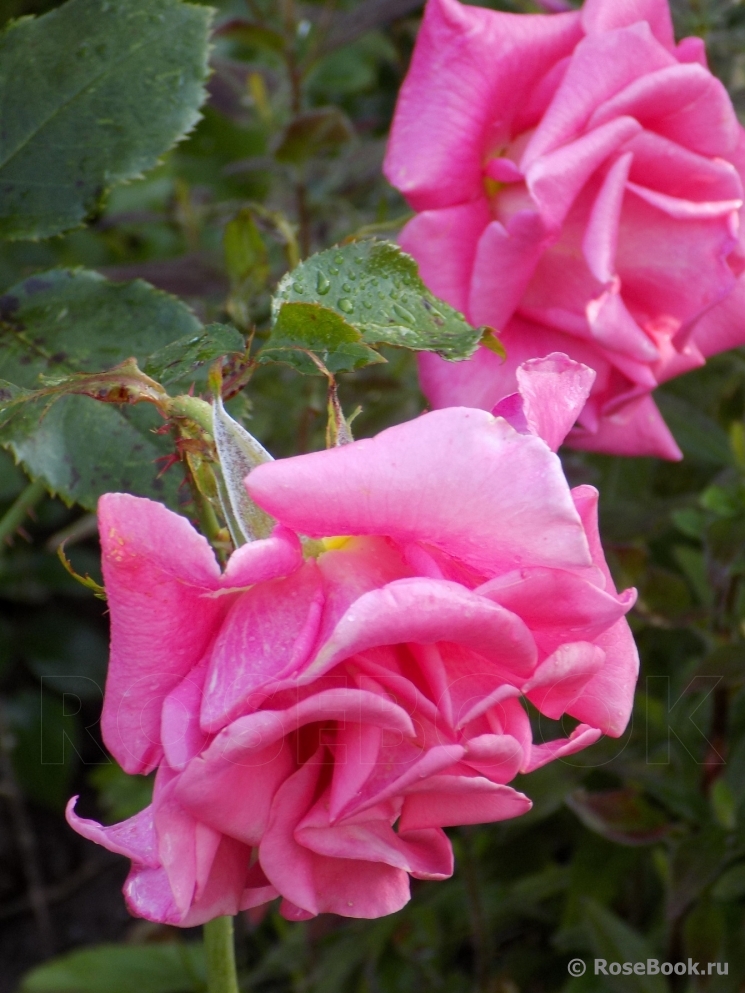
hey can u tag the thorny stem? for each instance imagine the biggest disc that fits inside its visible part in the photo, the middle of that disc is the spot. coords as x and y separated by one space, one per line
14 516
220 955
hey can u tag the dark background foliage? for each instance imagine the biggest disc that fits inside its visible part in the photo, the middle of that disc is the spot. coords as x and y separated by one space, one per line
634 848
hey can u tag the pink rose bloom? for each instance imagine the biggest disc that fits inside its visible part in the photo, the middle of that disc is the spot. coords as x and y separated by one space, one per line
578 183
317 716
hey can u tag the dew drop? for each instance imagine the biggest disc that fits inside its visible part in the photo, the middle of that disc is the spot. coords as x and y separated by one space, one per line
346 287
338 259
394 294
322 284
366 303
403 314
298 287
333 271
346 305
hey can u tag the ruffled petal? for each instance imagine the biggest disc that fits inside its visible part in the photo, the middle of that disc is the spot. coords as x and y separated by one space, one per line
608 698
560 679
470 67
505 260
259 561
444 244
447 801
636 428
316 883
438 479
558 606
582 737
607 15
134 838
269 633
552 392
233 792
612 60
425 611
684 103
157 569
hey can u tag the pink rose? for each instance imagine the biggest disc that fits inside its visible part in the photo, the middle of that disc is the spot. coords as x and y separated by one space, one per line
578 182
318 715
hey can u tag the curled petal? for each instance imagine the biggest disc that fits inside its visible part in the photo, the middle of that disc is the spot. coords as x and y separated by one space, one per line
135 838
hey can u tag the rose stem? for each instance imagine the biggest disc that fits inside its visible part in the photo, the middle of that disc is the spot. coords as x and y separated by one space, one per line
220 956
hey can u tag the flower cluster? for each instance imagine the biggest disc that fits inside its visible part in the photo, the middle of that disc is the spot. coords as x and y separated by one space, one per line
578 182
321 709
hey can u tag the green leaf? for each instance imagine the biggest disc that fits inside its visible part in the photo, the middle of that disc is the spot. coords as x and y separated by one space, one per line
316 329
376 296
623 815
615 941
320 131
251 34
155 968
69 321
699 436
246 255
92 94
697 861
731 884
182 360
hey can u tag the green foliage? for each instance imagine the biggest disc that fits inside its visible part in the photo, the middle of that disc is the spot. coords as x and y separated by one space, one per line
615 941
634 848
45 741
64 322
178 364
92 94
119 794
167 968
319 131
340 301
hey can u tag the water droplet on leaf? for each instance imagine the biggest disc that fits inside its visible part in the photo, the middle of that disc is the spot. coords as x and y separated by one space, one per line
404 314
322 284
346 305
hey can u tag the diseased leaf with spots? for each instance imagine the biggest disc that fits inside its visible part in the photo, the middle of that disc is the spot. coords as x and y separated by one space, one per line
377 297
91 94
70 321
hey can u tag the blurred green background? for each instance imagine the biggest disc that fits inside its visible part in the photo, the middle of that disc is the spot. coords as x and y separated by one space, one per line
635 848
